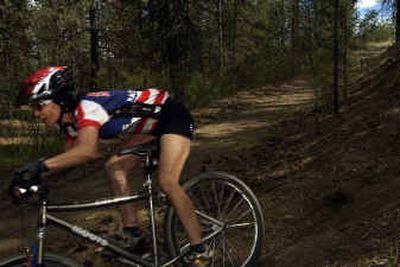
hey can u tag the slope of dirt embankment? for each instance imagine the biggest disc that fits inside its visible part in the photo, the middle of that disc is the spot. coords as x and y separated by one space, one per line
328 184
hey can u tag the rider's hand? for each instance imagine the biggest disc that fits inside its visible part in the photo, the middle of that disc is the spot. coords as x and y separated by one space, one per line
28 175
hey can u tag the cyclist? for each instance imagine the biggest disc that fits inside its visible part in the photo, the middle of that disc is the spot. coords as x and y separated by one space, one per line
87 118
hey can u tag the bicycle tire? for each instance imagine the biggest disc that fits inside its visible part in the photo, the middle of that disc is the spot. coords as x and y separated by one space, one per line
50 260
212 193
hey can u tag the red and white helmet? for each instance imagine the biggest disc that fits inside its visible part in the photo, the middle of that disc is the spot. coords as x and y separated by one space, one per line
50 83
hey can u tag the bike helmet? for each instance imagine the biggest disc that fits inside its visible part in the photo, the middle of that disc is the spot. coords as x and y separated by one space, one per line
50 83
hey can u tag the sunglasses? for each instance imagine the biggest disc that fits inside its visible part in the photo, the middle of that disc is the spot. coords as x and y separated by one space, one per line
40 104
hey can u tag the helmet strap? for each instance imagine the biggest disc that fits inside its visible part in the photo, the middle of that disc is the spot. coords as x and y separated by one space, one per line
61 119
66 106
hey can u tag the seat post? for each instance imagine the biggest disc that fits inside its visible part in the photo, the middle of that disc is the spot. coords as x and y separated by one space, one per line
148 165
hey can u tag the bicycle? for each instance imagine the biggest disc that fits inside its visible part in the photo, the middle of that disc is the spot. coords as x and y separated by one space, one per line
227 209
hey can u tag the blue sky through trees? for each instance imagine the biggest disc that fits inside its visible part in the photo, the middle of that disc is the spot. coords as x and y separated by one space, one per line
369 4
365 6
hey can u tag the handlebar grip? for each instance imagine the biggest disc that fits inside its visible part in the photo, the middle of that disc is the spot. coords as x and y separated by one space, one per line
22 190
32 189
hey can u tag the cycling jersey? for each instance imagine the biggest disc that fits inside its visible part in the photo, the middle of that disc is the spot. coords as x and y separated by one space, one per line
94 108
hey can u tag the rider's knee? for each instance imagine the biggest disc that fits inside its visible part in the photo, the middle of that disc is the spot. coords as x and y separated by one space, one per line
168 186
111 164
116 163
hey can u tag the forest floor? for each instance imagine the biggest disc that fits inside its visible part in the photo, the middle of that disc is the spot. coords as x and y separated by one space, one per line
327 183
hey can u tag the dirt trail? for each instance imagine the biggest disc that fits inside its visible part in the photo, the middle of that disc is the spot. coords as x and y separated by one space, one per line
232 125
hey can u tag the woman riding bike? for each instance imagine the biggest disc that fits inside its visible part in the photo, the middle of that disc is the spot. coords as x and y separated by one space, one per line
142 115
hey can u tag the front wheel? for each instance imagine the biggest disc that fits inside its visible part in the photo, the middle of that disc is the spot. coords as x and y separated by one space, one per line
230 216
50 260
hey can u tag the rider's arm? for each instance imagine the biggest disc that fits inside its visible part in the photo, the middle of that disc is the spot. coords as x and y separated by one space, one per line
68 144
83 149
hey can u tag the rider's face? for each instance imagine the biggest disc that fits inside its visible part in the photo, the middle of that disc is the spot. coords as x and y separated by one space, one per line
48 112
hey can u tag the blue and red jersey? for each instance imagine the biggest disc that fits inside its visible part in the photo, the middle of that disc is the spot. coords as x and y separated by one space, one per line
94 108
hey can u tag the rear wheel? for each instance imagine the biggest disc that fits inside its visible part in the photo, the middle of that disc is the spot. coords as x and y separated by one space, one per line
229 214
50 260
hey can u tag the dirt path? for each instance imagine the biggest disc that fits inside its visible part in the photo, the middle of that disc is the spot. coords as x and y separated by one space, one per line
246 120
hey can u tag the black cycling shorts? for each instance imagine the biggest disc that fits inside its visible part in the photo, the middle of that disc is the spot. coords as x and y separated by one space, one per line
175 118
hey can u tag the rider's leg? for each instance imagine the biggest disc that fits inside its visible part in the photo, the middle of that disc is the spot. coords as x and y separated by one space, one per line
174 150
117 168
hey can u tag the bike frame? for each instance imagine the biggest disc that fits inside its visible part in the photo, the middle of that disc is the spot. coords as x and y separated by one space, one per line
128 257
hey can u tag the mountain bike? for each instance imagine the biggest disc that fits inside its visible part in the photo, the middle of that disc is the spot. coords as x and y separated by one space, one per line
228 211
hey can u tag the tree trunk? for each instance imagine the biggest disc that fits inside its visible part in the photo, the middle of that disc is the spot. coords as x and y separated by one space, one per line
336 60
221 35
235 13
345 47
94 42
397 6
294 35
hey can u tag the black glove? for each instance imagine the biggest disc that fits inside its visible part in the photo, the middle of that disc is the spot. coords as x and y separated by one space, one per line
29 175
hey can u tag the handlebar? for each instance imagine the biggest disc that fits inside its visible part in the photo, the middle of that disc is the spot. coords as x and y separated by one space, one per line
23 194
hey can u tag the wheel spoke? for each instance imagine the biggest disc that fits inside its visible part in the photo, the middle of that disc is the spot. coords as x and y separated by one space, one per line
227 203
242 215
213 248
233 210
241 242
228 256
234 257
209 218
217 204
202 202
223 249
221 198
241 225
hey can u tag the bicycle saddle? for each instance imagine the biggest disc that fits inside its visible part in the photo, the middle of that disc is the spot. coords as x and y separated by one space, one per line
141 150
